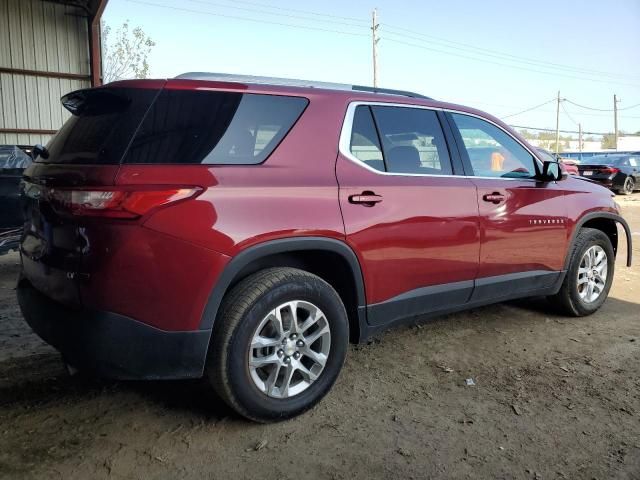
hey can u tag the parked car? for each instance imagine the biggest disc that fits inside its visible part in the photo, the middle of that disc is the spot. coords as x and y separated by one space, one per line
568 165
618 172
13 161
245 229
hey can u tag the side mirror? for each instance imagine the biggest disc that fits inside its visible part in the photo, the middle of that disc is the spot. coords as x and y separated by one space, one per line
552 171
39 150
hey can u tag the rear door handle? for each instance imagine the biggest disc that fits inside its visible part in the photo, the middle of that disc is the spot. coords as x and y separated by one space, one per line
495 197
368 199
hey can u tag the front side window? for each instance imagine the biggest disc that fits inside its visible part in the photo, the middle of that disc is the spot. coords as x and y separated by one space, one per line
491 151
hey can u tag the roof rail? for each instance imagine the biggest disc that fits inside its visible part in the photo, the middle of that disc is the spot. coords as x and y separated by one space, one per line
389 91
292 82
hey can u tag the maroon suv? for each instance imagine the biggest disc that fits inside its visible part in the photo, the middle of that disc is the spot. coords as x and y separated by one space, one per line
245 230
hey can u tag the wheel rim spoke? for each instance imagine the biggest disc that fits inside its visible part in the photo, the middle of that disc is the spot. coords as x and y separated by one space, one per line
317 334
308 375
271 380
265 342
317 357
314 317
257 362
293 309
286 381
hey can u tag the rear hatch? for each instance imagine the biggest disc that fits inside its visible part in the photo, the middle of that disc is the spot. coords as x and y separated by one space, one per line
108 170
85 152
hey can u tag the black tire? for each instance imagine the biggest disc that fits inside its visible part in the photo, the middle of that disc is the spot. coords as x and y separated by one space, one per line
242 310
628 187
568 300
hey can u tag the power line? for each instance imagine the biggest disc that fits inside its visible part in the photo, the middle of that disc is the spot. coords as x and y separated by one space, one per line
603 109
502 55
567 113
306 12
529 109
555 74
563 131
204 12
277 14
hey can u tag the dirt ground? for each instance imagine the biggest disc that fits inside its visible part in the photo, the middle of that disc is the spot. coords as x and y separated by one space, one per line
554 397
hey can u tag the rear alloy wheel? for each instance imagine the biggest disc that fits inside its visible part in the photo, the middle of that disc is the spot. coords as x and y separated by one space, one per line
289 349
628 186
589 275
278 344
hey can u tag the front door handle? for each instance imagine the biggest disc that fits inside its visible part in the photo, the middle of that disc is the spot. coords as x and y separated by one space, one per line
495 197
368 199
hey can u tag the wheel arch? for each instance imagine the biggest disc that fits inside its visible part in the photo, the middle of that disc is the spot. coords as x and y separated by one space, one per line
332 260
606 222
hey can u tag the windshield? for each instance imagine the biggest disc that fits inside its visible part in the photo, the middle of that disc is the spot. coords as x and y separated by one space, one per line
12 157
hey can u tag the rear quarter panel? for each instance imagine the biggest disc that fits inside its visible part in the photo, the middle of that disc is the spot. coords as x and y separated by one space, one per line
293 193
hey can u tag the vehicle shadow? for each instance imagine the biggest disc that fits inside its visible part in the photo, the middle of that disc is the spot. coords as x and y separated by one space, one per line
38 380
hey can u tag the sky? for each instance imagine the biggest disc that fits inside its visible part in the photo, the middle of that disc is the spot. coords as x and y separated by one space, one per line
500 56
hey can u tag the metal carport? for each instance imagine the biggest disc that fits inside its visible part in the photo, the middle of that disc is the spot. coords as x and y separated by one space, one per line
47 48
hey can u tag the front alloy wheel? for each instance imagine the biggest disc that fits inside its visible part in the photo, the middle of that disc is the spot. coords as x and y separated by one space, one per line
592 274
589 274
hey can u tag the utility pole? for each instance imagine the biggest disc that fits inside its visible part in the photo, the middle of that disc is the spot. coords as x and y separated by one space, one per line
580 139
374 45
558 124
615 120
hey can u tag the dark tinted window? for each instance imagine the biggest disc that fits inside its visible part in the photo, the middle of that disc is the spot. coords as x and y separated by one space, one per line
492 152
412 140
185 126
616 161
101 126
365 144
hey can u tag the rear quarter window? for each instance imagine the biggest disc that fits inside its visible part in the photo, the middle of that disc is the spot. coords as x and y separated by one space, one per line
204 127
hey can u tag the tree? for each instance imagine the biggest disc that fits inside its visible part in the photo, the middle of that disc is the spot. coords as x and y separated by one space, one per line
126 55
609 141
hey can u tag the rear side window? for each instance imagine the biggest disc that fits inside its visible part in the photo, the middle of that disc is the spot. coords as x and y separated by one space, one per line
400 140
102 124
412 140
193 127
365 144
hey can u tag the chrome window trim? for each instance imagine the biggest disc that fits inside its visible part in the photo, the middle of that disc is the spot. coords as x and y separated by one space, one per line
344 143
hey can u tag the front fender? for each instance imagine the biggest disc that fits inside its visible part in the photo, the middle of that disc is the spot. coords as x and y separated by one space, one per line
607 215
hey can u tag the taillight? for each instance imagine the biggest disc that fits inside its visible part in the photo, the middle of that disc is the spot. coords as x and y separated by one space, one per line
113 203
609 170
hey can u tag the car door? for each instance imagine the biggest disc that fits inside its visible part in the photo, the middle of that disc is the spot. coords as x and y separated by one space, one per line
523 221
411 221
